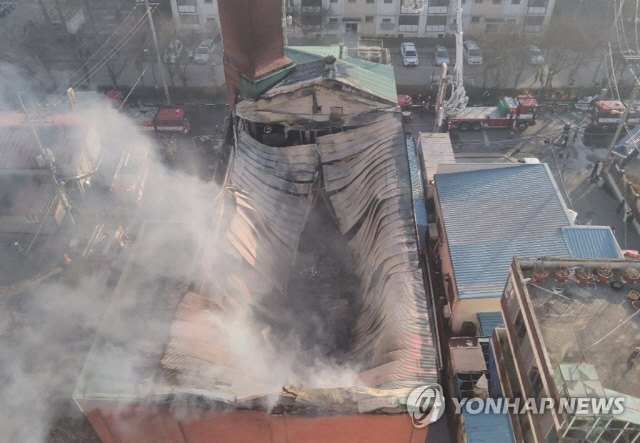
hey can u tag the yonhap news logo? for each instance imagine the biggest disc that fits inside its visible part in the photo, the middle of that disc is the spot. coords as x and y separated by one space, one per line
425 405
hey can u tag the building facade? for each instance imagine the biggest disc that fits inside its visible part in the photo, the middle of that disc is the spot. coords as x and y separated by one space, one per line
420 18
195 14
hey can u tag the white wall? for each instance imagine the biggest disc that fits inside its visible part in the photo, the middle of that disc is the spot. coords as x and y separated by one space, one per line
392 8
336 8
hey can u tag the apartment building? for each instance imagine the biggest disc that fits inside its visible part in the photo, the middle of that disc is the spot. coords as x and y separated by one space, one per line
420 18
195 14
565 339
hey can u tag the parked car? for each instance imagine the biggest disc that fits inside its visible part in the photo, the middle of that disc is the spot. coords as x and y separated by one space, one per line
204 50
173 52
535 55
441 55
409 54
6 7
472 53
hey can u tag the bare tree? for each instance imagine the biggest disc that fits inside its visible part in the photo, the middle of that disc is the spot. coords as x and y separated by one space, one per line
310 18
126 48
568 45
179 68
30 49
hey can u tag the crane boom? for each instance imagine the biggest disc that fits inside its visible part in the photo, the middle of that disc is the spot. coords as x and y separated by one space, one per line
458 100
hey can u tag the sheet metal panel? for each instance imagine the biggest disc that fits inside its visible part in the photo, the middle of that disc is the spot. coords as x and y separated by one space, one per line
591 242
493 215
487 428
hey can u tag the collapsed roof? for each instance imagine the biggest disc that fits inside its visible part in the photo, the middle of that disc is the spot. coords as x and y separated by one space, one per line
221 344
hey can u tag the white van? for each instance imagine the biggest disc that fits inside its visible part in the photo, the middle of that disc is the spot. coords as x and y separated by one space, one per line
472 53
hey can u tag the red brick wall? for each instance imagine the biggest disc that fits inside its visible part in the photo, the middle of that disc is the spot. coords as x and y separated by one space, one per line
252 36
142 424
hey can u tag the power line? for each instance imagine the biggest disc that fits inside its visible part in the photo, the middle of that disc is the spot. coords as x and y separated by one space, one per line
90 58
108 57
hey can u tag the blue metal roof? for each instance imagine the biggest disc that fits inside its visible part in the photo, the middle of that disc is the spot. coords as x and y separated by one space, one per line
492 215
489 321
416 184
628 144
591 242
487 428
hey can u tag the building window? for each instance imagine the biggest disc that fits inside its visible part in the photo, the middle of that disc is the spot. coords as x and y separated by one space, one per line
333 1
371 1
388 1
478 1
386 20
352 1
475 19
519 326
189 19
497 2
515 2
368 19
208 1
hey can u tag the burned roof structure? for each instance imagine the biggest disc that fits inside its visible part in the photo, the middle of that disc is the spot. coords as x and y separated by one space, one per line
309 298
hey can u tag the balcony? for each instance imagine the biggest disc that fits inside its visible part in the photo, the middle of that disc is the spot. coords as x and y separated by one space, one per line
532 29
437 10
435 28
537 10
332 26
187 7
387 26
408 28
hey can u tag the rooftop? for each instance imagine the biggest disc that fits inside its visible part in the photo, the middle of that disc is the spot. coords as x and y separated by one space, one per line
374 78
487 428
590 324
63 134
629 144
436 149
492 213
248 290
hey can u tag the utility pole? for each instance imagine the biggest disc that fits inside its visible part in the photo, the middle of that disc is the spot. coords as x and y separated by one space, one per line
284 22
155 42
48 159
623 119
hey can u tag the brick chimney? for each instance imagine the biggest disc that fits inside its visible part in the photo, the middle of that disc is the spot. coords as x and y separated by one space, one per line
253 46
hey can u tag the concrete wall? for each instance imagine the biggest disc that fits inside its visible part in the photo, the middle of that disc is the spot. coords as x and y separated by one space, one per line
140 423
466 310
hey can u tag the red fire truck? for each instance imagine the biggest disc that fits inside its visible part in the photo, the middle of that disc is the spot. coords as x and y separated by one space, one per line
160 119
517 113
405 102
606 114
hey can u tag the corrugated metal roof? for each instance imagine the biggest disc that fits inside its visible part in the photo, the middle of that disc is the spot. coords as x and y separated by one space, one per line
493 215
19 148
629 144
487 428
302 54
591 242
489 321
374 78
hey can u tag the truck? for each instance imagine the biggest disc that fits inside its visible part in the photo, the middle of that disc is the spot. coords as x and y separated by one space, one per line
405 102
165 120
606 114
513 113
